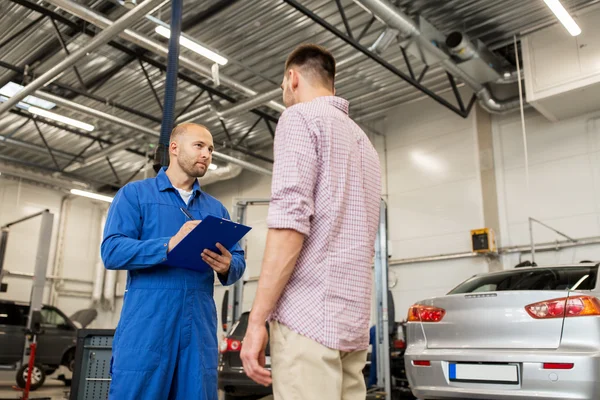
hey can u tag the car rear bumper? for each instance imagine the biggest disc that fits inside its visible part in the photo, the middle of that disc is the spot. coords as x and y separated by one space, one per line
234 381
580 382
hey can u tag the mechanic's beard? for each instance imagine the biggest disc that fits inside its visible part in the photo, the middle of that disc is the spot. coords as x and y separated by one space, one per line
189 167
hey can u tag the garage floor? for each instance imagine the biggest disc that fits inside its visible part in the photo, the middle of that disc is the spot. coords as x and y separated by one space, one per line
53 389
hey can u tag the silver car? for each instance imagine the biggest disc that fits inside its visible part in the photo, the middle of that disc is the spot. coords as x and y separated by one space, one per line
517 334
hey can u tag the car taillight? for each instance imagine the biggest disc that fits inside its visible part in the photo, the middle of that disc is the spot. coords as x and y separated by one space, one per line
230 345
578 306
399 344
558 365
423 313
421 363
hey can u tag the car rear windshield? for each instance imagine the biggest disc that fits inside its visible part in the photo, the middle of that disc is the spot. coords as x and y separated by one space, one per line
239 329
560 278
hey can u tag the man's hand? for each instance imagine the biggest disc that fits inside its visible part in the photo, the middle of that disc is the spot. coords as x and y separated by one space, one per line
253 354
219 262
183 232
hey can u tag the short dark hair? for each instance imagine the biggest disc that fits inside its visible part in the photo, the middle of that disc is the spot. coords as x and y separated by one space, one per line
316 59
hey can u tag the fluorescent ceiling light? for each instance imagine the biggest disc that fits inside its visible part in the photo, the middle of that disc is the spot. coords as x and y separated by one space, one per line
563 16
12 88
61 118
195 47
212 167
91 195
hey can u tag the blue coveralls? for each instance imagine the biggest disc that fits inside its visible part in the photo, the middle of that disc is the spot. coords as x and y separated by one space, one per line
165 345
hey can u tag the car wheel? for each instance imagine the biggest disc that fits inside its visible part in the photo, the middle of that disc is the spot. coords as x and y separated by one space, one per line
38 376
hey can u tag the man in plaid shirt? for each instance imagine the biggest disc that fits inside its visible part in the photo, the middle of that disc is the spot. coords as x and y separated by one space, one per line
315 283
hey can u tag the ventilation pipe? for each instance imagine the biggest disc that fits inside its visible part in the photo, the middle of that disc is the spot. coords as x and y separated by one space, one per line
99 275
394 18
229 171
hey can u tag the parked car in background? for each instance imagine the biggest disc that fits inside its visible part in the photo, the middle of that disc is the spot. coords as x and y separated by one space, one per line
232 379
56 345
522 333
237 386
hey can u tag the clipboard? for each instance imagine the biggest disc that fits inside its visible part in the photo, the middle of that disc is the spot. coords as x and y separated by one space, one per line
209 232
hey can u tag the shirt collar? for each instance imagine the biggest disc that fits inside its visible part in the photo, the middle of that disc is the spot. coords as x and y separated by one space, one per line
339 103
165 184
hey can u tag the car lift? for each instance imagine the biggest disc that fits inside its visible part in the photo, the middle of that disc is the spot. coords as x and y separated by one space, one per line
37 288
234 309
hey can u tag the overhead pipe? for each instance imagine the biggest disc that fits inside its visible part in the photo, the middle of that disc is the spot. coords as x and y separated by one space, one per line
102 38
16 143
100 155
44 178
145 42
142 129
237 108
73 106
392 16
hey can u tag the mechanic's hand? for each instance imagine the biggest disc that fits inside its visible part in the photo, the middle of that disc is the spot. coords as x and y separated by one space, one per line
183 232
219 262
253 354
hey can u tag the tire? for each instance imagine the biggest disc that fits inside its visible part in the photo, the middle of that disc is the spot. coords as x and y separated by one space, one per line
37 378
69 360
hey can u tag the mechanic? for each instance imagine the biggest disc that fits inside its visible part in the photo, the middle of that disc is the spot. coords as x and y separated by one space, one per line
315 282
165 345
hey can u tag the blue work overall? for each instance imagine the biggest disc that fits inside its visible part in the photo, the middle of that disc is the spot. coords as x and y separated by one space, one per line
165 345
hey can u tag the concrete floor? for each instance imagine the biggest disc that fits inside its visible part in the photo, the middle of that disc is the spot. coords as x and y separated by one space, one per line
53 389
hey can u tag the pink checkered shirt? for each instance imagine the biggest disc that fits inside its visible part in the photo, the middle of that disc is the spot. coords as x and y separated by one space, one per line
327 186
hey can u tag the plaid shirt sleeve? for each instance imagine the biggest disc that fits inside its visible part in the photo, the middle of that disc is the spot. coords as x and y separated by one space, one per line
294 174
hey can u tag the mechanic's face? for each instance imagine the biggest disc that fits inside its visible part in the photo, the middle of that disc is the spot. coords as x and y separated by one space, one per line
194 151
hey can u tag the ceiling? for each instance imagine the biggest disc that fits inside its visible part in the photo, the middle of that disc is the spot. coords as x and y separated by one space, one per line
255 36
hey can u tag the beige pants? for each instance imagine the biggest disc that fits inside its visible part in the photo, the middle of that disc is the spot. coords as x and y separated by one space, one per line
306 370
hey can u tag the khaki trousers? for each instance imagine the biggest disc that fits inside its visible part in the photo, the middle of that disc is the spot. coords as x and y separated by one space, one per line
306 370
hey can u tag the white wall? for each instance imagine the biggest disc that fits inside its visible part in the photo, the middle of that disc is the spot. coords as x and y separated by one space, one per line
434 199
73 257
564 176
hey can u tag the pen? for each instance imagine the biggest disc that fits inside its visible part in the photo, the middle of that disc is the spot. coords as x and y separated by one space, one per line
187 214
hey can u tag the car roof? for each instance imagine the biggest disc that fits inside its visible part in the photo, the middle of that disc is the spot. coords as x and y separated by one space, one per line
21 303
520 269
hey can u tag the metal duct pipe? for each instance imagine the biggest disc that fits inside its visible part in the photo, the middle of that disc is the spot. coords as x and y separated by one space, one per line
71 105
102 38
229 171
99 156
393 17
155 47
249 104
10 142
460 46
142 129
46 179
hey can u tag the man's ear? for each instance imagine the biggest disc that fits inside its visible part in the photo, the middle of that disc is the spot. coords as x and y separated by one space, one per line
294 78
173 148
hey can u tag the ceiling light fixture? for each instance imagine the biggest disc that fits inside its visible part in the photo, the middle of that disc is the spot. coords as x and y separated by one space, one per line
563 16
194 46
91 195
61 118
12 88
212 167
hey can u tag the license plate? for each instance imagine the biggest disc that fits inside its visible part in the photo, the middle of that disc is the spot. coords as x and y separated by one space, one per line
484 373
